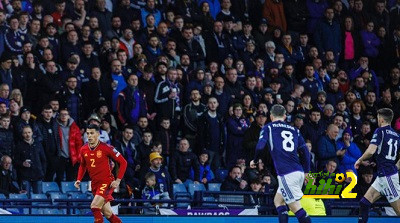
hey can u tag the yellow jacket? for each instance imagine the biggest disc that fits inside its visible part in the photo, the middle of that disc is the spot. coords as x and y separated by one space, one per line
313 207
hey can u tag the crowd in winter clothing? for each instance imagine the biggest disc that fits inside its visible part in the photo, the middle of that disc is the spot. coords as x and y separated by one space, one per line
182 88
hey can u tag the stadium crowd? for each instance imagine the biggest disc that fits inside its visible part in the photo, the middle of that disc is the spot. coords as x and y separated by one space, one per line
182 88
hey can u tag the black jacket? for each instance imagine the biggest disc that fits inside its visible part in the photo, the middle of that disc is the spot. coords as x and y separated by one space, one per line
181 163
166 106
203 137
51 139
6 142
93 91
230 184
6 182
33 152
195 52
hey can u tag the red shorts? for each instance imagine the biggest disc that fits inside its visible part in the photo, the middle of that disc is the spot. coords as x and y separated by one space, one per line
104 190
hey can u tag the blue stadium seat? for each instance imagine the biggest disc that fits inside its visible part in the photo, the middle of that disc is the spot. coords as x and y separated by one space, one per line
196 187
40 203
19 196
37 211
221 174
51 211
50 187
58 196
84 186
67 187
214 187
2 196
179 190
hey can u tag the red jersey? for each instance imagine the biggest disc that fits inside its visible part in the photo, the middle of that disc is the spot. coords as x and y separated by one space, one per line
97 162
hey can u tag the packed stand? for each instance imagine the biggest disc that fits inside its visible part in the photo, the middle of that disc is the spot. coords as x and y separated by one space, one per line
182 88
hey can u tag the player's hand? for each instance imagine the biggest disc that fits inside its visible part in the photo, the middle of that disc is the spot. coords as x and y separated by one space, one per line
115 183
357 164
77 184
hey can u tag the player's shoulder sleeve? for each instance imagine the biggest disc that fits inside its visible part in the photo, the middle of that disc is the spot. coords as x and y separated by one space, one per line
110 150
265 131
377 137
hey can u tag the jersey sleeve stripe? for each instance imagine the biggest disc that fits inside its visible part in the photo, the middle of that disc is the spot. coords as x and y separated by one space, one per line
271 143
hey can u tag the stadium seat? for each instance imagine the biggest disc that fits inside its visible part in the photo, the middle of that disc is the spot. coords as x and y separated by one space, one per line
37 211
56 196
51 211
180 190
19 196
40 196
196 187
2 196
50 187
84 186
214 187
67 187
221 174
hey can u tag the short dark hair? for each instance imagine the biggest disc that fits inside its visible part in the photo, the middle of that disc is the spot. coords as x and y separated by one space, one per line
386 114
231 169
47 107
93 126
278 111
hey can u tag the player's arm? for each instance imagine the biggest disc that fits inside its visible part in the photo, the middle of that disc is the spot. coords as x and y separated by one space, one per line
117 157
260 145
304 154
367 154
81 172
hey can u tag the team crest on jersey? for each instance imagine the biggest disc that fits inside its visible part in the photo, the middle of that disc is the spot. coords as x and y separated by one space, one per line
85 154
162 174
99 154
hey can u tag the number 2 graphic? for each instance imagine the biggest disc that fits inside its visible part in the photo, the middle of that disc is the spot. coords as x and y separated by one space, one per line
92 160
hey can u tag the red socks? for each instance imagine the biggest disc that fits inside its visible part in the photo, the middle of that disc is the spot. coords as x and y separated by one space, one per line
114 219
98 217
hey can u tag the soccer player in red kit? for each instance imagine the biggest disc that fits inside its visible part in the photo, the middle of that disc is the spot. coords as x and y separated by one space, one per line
95 157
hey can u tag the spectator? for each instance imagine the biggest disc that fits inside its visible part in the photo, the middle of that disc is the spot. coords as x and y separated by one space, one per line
49 84
118 81
348 152
131 104
6 136
365 182
191 114
327 146
328 35
152 191
236 126
163 178
8 177
164 135
71 99
234 181
370 41
144 149
252 135
71 142
103 15
181 162
6 73
314 128
25 120
274 13
206 174
93 91
150 8
131 154
30 162
310 83
51 143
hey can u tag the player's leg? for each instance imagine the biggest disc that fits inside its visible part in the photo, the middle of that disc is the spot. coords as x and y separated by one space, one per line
281 208
300 213
369 198
111 217
396 206
96 206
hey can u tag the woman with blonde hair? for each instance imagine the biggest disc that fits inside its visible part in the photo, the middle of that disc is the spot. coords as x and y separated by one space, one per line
16 95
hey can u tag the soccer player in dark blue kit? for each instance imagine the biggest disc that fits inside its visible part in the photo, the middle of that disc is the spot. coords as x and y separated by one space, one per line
285 144
383 145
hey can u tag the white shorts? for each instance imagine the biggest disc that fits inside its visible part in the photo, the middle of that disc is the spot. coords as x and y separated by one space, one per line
388 186
290 186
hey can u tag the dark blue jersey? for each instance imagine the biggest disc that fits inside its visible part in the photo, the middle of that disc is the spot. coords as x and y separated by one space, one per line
285 143
387 141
